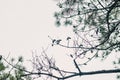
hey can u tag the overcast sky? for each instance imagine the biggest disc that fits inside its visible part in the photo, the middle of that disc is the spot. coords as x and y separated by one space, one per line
25 26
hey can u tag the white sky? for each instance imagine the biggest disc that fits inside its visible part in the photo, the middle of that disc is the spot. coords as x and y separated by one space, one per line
25 26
